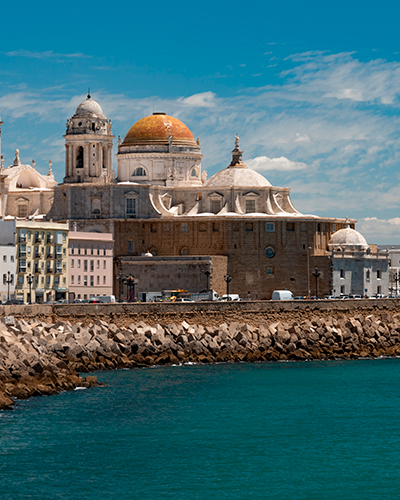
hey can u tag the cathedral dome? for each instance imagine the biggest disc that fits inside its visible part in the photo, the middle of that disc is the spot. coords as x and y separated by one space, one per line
347 239
89 107
237 177
157 129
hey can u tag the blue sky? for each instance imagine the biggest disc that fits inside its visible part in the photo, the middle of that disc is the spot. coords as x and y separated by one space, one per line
312 89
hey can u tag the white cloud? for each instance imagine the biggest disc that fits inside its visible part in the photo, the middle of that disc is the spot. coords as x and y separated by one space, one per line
263 164
202 100
384 231
48 54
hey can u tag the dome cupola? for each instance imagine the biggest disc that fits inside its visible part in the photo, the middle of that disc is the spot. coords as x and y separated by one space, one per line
348 239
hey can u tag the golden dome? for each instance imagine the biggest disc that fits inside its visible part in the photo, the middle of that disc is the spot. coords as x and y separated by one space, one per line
157 128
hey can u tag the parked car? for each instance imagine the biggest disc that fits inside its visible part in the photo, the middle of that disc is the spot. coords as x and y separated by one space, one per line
231 296
183 299
282 295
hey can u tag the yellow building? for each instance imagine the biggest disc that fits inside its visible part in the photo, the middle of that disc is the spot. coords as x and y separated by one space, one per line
42 261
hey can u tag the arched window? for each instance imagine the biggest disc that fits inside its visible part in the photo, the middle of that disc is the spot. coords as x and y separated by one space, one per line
104 158
184 251
193 173
139 171
79 157
153 251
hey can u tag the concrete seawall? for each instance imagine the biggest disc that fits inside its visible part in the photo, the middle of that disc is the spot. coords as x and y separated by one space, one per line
46 347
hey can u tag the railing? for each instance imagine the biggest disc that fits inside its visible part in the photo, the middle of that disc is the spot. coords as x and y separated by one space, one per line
49 271
22 270
38 271
38 239
22 254
49 256
37 255
58 270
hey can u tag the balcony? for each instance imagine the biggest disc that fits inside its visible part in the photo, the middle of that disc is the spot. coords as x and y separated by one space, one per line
37 255
22 254
22 239
58 270
49 241
49 256
38 239
49 271
37 271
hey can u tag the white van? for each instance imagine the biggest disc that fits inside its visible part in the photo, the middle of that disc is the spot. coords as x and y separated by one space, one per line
282 295
106 299
231 296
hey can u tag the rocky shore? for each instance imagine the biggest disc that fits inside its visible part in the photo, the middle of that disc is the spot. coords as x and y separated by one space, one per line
38 358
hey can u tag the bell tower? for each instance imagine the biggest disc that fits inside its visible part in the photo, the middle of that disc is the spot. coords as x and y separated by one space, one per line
88 145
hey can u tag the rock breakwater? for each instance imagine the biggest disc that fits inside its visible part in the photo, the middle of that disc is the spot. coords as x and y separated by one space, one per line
38 358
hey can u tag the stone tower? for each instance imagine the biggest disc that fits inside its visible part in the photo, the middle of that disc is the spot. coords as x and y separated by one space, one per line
88 145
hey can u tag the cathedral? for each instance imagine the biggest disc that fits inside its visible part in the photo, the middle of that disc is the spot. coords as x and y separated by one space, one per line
160 203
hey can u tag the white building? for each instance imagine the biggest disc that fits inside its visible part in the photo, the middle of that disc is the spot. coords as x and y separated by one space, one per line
7 260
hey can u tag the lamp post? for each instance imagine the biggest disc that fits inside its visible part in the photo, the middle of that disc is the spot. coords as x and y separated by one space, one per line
396 279
316 274
9 281
131 282
228 279
207 272
29 279
308 271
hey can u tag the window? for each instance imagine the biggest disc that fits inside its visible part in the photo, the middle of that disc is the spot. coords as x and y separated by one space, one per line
249 226
56 280
22 210
92 265
21 280
22 265
270 270
12 258
85 281
98 264
91 280
22 235
193 173
4 279
318 227
166 228
130 207
4 258
139 172
202 226
85 265
342 273
184 228
153 227
98 249
342 290
59 250
104 250
85 247
290 227
379 274
184 251
98 280
215 206
72 279
215 226
250 206
91 249
104 264
79 263
131 247
79 279
104 280
368 275
72 263
22 250
333 227
270 227
64 281
379 290
64 236
79 248
270 252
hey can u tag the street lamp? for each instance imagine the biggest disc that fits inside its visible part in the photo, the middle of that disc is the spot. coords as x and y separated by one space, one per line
29 279
228 279
9 281
316 273
308 271
396 279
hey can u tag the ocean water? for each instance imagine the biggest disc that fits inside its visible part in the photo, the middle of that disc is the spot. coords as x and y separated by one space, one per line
306 430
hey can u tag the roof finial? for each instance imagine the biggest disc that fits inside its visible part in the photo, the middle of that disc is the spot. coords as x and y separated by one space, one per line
346 224
17 161
237 154
88 94
237 141
33 163
50 171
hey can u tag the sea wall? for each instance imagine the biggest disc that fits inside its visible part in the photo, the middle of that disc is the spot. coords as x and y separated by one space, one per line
42 358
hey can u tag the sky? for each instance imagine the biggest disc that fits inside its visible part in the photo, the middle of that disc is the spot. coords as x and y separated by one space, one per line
312 89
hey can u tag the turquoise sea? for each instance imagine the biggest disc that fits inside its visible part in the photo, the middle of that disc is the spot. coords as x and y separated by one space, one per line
306 430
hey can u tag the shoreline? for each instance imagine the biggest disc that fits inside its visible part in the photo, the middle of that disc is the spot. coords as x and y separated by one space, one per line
41 358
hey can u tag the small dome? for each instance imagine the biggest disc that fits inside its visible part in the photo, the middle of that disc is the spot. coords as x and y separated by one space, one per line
237 177
157 128
89 107
347 239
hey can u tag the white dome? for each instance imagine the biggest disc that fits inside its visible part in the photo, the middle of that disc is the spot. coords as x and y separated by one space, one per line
89 107
237 177
347 239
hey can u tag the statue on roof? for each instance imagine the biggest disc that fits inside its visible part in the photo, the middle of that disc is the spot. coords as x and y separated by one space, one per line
236 141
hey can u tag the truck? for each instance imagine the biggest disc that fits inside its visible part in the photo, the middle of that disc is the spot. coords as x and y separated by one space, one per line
106 299
205 296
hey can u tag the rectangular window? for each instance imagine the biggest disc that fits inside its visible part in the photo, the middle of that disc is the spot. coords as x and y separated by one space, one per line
72 279
250 206
333 227
22 265
59 250
215 226
342 273
22 210
290 227
166 228
104 250
249 226
131 207
184 228
48 280
22 250
4 279
85 247
91 249
85 281
85 265
12 258
91 280
104 280
79 279
342 290
64 236
29 235
79 249
98 249
270 227
79 263
72 263
104 264
202 226
368 275
98 264
21 280
215 206
56 280
379 290
270 270
153 227
379 274
4 258
64 281
22 235
98 280
92 265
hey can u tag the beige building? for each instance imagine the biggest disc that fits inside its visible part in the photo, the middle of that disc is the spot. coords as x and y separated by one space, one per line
90 258
42 261
161 201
